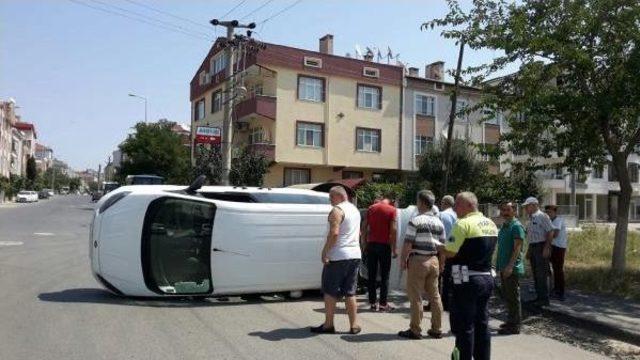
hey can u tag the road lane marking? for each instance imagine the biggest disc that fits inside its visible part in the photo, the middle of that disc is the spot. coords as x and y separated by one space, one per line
11 243
43 234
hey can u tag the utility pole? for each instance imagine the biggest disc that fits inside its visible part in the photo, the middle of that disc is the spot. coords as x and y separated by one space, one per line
99 173
53 176
229 90
454 102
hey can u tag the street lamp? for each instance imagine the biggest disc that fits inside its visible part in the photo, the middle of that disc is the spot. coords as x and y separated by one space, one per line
145 104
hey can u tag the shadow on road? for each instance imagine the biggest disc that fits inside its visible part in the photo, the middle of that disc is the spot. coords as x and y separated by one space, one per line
100 296
284 334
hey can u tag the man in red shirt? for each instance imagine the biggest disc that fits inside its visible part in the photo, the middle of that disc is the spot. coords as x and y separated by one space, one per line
379 236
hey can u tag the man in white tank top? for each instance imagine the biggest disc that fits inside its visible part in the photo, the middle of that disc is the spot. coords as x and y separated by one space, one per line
341 258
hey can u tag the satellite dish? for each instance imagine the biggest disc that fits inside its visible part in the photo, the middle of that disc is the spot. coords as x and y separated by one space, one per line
242 91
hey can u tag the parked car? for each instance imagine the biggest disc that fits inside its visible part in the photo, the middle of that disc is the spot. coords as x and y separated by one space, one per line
96 195
43 194
27 196
163 240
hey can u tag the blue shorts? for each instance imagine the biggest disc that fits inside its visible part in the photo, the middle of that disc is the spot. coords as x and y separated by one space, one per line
340 278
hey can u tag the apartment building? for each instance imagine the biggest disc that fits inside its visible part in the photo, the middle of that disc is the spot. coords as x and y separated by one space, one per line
44 157
316 115
427 107
8 151
29 138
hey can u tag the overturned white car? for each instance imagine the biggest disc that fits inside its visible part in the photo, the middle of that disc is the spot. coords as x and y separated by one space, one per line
162 240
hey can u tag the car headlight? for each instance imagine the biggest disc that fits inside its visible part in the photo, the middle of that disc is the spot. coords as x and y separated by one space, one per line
112 200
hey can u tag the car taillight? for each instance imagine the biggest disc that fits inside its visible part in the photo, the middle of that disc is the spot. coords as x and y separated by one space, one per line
112 200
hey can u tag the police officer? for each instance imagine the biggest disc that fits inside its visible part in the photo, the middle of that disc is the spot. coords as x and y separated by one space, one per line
470 249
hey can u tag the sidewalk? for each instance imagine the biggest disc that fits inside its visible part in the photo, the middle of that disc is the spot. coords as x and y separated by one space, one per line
616 317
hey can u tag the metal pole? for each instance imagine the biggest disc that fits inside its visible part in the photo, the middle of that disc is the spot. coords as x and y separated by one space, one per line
452 116
145 110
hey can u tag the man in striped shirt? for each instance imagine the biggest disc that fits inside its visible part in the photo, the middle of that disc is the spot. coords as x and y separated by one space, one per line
425 233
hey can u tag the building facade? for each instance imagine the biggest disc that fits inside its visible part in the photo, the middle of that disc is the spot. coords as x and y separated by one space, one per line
426 112
8 151
317 116
44 157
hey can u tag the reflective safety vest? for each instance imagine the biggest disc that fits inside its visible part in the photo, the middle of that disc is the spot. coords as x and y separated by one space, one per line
473 239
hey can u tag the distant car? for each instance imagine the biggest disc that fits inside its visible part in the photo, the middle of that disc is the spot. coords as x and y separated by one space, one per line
27 196
96 195
163 240
144 180
43 194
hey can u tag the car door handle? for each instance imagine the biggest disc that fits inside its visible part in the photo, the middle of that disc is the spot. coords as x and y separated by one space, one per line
230 252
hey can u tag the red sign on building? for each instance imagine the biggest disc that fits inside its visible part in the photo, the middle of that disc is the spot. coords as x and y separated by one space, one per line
208 135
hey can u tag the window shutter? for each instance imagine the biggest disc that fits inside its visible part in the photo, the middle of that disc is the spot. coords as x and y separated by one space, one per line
324 89
380 99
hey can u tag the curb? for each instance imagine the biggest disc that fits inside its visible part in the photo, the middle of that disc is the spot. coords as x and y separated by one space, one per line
572 317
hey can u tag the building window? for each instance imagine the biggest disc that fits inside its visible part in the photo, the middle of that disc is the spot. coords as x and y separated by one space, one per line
369 97
312 62
368 140
370 72
461 107
216 101
425 105
559 173
199 110
422 144
296 176
309 134
310 89
218 64
633 172
598 172
256 136
352 175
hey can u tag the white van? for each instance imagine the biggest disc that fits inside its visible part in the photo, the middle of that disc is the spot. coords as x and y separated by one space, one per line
166 240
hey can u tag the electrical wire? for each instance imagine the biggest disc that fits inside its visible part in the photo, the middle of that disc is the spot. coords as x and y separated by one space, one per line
166 23
169 28
280 12
257 9
159 11
233 8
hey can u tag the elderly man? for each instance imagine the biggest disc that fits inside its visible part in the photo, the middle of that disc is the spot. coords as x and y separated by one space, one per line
449 218
558 249
425 233
509 265
470 248
341 257
539 235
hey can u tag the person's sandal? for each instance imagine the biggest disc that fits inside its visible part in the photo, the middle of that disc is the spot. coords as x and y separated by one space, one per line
386 308
355 330
373 307
322 330
409 335
434 334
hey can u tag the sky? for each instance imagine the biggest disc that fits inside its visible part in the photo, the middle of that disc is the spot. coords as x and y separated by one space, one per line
70 66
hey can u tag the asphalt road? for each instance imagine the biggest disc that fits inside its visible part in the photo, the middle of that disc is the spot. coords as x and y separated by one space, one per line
52 308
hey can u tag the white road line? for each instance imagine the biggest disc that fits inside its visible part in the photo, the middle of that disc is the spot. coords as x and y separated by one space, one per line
11 243
43 234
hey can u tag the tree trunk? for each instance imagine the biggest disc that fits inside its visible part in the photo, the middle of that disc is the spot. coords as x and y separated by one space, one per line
618 258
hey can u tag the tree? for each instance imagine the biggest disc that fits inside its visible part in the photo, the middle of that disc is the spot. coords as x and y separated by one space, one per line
248 168
155 150
74 184
367 194
209 163
466 171
577 91
32 171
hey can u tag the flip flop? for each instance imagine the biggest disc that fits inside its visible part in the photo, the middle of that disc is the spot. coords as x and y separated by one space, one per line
355 330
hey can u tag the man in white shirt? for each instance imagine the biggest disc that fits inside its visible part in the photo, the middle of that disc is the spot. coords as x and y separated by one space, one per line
558 250
341 258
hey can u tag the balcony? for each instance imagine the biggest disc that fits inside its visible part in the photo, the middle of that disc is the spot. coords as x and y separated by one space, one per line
269 150
262 105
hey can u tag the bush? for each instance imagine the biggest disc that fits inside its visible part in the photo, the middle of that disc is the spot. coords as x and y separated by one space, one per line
367 194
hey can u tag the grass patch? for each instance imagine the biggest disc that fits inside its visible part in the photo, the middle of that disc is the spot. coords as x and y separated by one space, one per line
588 263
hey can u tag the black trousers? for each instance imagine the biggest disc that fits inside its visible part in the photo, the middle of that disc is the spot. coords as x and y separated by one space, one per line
378 257
469 317
445 285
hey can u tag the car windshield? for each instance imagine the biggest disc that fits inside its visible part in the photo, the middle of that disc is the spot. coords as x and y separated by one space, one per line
24 193
177 246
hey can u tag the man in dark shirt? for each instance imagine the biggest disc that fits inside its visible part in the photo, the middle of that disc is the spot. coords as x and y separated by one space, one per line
380 246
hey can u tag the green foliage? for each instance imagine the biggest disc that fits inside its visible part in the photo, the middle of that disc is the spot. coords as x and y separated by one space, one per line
367 194
156 150
32 170
74 184
209 163
577 91
466 171
248 168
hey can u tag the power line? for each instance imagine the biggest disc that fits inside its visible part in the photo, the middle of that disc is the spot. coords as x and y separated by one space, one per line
281 11
170 28
168 14
166 23
257 9
233 8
